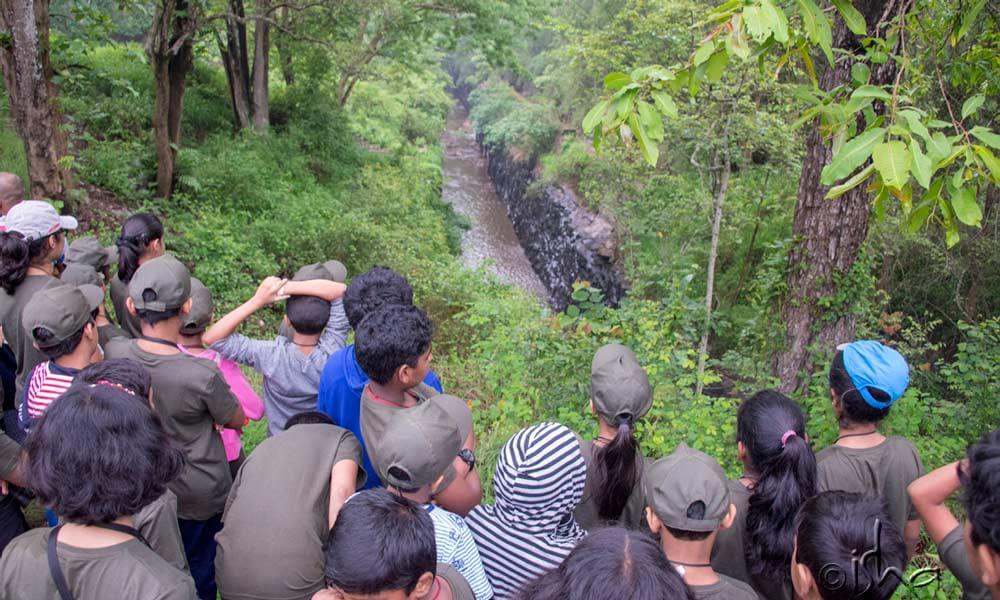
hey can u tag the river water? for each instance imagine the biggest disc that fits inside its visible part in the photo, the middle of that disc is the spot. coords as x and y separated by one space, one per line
467 187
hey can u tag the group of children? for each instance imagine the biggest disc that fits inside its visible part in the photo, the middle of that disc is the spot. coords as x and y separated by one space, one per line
367 485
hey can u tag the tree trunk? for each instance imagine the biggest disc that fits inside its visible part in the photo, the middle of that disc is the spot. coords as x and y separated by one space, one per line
24 59
235 60
284 49
170 47
718 203
261 52
829 233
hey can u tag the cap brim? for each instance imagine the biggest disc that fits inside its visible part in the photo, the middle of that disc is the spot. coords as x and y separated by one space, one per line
458 410
112 254
68 222
337 270
93 294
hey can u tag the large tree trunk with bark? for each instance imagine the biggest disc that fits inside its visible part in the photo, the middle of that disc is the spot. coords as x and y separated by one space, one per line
235 62
170 47
24 59
829 233
261 55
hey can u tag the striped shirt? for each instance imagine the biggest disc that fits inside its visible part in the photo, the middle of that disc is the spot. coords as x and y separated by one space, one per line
456 547
530 529
47 382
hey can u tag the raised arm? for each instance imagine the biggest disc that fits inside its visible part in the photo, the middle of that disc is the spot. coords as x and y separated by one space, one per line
929 494
321 288
267 293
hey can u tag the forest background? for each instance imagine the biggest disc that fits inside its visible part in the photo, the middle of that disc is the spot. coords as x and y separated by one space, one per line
278 134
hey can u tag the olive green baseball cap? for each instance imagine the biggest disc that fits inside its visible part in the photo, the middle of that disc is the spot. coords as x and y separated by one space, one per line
332 269
618 384
678 480
87 250
167 278
62 309
81 274
197 320
420 443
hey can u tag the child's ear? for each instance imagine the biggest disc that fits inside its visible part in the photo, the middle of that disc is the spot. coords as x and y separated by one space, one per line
654 523
741 450
423 586
593 409
186 307
730 517
129 305
802 579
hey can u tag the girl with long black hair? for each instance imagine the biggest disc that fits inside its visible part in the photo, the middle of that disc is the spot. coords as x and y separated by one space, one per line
620 395
779 476
141 240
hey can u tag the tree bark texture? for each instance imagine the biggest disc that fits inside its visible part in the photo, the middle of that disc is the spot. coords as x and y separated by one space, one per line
828 233
261 56
170 47
235 61
24 59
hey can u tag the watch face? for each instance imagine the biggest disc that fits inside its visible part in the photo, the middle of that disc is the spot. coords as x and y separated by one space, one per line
468 456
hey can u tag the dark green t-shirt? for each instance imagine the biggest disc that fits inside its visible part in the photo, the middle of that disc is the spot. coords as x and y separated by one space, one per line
126 320
726 588
729 551
886 469
460 589
125 571
953 555
11 309
106 333
632 516
277 515
157 522
190 396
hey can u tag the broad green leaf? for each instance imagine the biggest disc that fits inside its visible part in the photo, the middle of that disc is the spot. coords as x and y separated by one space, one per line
776 18
754 20
860 73
650 151
990 160
938 147
916 126
922 168
615 81
664 103
986 136
854 20
623 105
808 62
879 203
918 217
651 121
595 115
817 27
598 139
704 52
871 91
892 161
851 155
737 40
972 104
971 13
716 66
963 201
862 176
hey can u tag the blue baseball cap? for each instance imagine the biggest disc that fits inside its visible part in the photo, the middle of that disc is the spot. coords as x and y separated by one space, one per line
873 364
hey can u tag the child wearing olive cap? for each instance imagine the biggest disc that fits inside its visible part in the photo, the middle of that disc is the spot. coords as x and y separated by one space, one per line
87 250
866 379
419 445
688 503
620 395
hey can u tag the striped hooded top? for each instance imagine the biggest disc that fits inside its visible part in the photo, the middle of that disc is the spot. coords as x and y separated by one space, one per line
530 528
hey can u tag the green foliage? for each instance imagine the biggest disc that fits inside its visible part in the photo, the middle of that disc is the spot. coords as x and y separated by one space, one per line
510 123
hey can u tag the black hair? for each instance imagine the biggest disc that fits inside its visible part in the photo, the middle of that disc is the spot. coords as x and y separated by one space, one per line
308 315
850 545
43 336
854 407
137 232
786 477
391 337
372 289
695 510
97 454
617 468
981 480
380 542
152 317
128 374
612 562
308 417
17 254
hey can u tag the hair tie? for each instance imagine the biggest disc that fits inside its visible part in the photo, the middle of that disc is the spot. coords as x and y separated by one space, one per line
106 383
788 435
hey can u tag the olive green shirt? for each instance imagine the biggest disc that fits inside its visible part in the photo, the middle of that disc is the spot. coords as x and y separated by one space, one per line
126 320
277 514
10 454
726 588
11 309
106 333
157 522
633 515
190 396
886 469
125 571
460 589
953 555
729 552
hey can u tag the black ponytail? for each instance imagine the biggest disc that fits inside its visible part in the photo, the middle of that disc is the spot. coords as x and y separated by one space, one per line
772 428
617 470
855 409
137 232
16 255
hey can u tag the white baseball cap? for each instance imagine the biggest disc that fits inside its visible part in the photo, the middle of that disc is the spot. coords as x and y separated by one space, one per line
35 219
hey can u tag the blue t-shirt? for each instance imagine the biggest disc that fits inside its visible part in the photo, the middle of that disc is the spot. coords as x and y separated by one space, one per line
340 388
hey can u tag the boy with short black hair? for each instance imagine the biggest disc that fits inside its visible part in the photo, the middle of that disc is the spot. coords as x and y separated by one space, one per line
687 503
419 445
382 547
343 379
192 398
291 366
393 346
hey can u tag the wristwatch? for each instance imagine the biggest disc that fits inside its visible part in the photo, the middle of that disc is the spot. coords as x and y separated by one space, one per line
468 457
